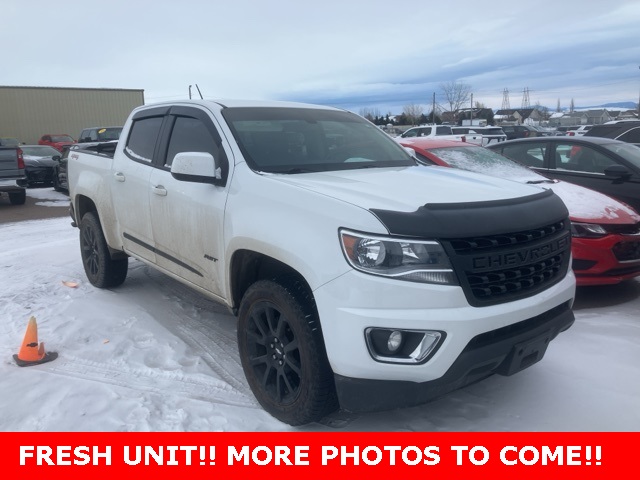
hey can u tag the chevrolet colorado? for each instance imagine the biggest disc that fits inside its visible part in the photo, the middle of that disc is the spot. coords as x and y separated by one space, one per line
361 280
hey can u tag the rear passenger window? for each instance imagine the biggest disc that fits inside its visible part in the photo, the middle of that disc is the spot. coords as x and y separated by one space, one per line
190 135
632 136
582 158
532 156
143 138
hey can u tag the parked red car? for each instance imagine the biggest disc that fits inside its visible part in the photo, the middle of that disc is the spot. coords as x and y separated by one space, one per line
605 241
56 141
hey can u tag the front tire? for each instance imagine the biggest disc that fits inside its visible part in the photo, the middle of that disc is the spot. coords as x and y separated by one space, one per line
101 270
56 182
283 354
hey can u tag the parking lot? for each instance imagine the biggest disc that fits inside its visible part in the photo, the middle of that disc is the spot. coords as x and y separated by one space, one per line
154 355
41 203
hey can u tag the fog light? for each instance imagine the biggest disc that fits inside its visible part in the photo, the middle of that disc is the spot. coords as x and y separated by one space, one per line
395 340
403 346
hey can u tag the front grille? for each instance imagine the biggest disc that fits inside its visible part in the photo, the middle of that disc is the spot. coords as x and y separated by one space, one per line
627 251
505 267
624 229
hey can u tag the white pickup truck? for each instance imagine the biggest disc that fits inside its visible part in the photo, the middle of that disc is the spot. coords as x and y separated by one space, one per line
482 136
441 132
360 279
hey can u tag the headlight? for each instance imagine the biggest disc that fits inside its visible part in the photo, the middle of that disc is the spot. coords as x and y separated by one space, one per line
414 261
587 230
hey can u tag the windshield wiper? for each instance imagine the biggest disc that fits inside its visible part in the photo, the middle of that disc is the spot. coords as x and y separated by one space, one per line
536 182
364 165
298 170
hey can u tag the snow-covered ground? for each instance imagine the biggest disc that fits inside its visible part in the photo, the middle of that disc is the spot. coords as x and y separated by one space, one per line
153 355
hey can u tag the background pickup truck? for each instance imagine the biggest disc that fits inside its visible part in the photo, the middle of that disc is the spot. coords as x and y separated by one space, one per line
482 136
360 279
442 132
12 175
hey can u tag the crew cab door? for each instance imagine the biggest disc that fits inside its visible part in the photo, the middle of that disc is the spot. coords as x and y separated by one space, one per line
132 168
187 217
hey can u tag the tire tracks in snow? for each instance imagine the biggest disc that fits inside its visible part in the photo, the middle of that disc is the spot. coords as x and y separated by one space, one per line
203 325
195 323
198 387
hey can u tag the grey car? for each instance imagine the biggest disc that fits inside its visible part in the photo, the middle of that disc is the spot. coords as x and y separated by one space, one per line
602 164
39 161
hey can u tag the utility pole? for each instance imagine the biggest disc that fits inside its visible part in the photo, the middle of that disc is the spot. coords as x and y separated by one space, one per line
433 109
471 114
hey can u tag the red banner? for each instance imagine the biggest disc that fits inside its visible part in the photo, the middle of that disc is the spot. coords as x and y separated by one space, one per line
490 456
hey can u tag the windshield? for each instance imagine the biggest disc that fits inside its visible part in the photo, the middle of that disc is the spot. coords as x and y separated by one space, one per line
61 138
9 142
628 151
300 140
110 133
36 151
482 160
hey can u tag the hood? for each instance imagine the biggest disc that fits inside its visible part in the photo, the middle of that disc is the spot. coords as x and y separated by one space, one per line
34 161
406 188
586 205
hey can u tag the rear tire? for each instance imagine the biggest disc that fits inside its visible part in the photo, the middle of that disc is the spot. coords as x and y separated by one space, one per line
18 198
101 270
283 353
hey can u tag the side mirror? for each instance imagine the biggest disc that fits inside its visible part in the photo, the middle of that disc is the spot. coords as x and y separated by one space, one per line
56 158
198 167
617 171
410 151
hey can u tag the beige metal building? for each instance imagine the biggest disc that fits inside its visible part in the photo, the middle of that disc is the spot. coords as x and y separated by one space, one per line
27 113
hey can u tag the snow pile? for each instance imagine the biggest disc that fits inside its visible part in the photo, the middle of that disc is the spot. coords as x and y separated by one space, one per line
48 197
153 355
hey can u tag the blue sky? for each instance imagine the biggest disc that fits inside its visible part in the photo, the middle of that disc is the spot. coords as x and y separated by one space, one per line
352 54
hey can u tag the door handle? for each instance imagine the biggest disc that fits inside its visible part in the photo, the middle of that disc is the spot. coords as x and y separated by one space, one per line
159 190
119 176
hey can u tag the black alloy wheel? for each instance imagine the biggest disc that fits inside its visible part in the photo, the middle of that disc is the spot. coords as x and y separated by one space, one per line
274 353
101 270
283 354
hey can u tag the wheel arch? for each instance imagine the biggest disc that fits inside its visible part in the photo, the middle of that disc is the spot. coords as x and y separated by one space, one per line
84 205
248 267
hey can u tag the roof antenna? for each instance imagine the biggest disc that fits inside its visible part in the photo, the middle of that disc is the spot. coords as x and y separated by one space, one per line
201 97
189 92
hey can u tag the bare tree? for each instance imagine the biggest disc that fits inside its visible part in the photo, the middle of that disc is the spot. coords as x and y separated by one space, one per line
456 94
544 111
369 113
413 112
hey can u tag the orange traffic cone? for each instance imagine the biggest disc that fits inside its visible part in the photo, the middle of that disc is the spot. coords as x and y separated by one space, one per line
32 353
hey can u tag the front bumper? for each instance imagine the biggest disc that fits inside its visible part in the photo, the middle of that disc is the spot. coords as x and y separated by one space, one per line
605 261
504 351
41 175
355 301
